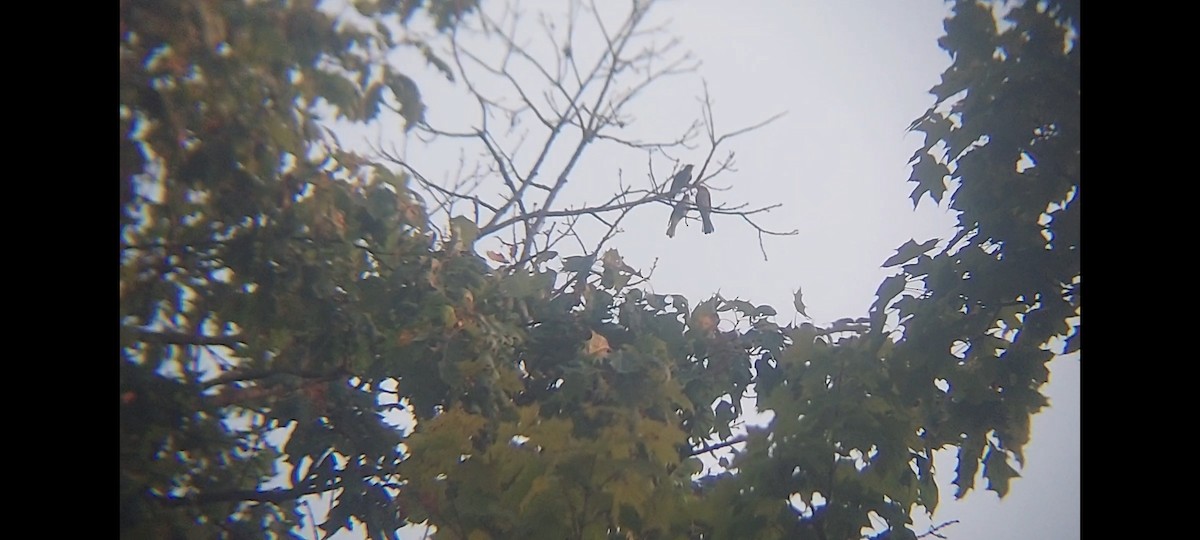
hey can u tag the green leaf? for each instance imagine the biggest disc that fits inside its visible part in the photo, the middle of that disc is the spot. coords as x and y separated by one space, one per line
520 285
997 470
544 256
463 232
1073 343
371 100
930 177
660 440
629 490
338 91
674 393
679 303
741 306
381 203
968 464
577 263
436 62
798 302
887 290
909 251
928 494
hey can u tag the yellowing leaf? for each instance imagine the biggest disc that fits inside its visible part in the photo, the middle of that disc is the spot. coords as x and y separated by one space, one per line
468 300
660 440
448 318
528 415
552 434
619 443
540 484
629 490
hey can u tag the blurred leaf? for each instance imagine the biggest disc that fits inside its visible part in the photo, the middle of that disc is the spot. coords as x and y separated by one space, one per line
406 93
464 232
338 91
704 317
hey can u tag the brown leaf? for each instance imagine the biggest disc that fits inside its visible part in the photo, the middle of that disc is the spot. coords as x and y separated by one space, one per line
597 346
405 337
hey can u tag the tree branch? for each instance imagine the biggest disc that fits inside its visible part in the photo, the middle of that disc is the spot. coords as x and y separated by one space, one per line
180 338
933 531
253 495
705 449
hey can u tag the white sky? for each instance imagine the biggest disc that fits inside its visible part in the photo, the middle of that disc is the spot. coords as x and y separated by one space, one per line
851 75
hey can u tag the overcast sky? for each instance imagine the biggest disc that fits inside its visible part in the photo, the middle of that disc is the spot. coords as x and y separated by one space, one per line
851 76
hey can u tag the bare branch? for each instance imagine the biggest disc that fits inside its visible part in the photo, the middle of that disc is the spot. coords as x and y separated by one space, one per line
268 496
737 132
433 185
569 110
179 338
933 531
718 446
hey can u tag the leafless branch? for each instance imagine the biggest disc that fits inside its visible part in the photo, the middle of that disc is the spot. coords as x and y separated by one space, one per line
706 449
573 95
179 338
267 496
933 531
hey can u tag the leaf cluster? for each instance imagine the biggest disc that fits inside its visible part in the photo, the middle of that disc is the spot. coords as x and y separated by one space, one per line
292 328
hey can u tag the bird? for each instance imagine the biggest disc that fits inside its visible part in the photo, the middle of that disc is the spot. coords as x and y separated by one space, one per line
681 179
681 210
704 203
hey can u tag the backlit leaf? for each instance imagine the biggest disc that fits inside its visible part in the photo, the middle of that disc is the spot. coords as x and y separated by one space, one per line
909 251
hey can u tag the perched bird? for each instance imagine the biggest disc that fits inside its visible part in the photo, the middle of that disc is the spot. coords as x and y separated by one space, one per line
704 203
681 179
681 210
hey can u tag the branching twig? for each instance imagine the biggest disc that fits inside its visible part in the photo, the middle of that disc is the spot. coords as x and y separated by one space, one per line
572 102
933 531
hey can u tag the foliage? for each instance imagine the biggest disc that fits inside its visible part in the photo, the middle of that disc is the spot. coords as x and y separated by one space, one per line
284 302
1002 299
239 258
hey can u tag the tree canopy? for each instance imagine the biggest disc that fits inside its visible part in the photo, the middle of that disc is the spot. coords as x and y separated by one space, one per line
300 319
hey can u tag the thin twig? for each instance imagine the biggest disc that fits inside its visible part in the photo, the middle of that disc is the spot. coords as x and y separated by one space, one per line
933 531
